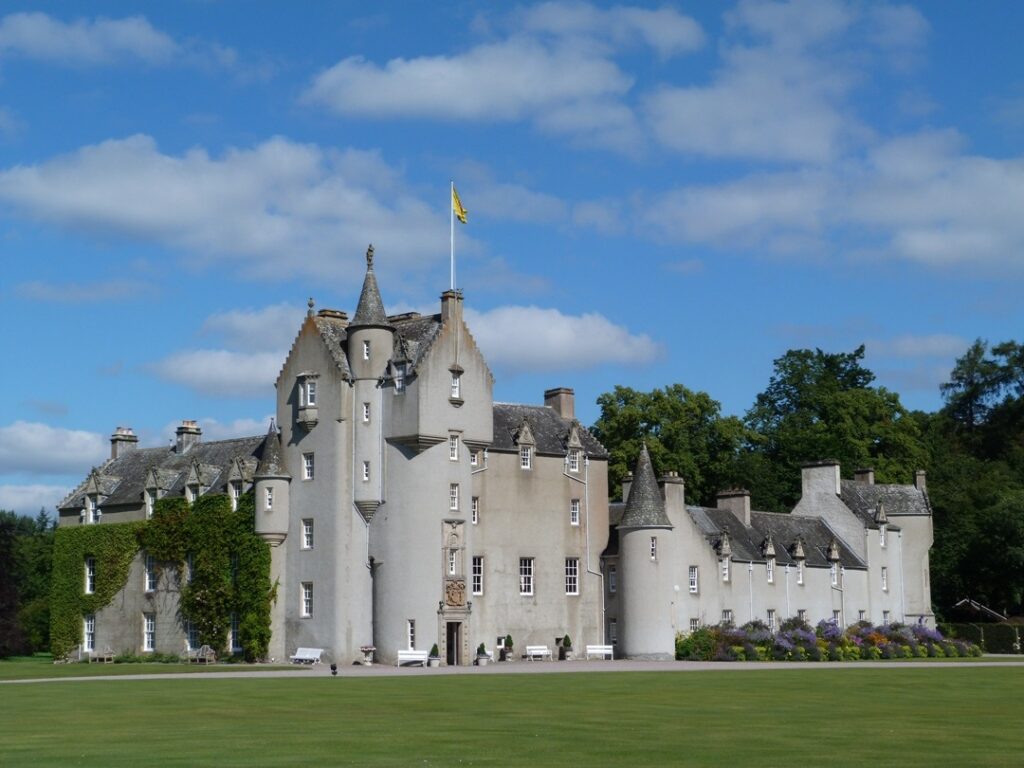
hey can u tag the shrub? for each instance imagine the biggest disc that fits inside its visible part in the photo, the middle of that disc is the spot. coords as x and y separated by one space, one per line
699 645
434 652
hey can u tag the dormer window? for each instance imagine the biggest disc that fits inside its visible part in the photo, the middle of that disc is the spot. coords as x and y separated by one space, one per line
400 378
366 349
525 457
191 492
881 536
235 492
833 574
574 460
149 501
770 566
800 572
92 510
724 563
310 388
308 398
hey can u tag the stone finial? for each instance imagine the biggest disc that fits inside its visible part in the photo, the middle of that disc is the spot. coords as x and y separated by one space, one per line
880 516
310 304
369 256
833 551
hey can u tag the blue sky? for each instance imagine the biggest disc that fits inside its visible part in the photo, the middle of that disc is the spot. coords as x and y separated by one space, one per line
657 193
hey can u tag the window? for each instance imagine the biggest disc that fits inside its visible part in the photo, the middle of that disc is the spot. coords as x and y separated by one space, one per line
694 583
151 575
234 636
453 447
451 562
307 533
525 457
800 572
654 547
885 579
881 536
410 633
574 461
270 498
694 625
475 510
456 386
149 502
574 512
90 575
833 574
862 615
192 493
836 618
525 575
310 392
770 567
727 616
191 635
613 631
149 631
724 563
478 574
89 632
307 598
801 614
572 575
771 619
307 466
235 492
613 579
366 413
453 497
474 458
366 471
885 618
400 379
366 349
92 513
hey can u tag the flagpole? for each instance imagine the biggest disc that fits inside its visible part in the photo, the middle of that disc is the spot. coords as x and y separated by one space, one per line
451 216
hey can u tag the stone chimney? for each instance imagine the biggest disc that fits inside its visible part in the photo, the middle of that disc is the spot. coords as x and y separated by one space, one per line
866 475
188 434
451 306
921 480
122 441
673 491
737 501
563 400
820 477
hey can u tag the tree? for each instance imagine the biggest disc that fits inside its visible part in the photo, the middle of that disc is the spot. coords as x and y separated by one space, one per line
26 547
684 431
820 405
11 639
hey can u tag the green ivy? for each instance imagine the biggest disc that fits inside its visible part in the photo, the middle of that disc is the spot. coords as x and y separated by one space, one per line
230 570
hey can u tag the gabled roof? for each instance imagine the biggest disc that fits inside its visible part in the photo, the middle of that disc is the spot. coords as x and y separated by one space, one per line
370 310
899 501
550 431
644 508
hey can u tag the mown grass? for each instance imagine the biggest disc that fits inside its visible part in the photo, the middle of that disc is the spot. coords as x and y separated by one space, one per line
925 716
42 666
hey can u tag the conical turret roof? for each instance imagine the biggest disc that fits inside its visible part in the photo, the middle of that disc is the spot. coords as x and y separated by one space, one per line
271 464
644 508
370 311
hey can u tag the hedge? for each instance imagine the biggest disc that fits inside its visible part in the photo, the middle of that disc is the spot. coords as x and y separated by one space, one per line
994 638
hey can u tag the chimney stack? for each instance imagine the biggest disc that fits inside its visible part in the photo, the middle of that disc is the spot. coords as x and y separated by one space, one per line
673 492
188 434
122 441
866 475
737 501
563 400
451 306
921 480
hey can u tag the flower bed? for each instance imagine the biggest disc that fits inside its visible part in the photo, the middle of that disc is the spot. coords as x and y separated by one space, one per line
798 641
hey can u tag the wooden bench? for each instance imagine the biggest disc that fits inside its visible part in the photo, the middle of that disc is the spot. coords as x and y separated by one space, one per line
411 657
106 656
306 656
604 651
202 655
537 652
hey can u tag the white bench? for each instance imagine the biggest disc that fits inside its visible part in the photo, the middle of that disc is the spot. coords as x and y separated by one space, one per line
604 651
412 657
538 652
307 656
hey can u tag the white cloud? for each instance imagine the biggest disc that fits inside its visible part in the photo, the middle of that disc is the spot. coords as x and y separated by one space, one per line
272 328
85 41
604 216
29 499
36 448
222 372
531 338
514 202
278 208
913 346
80 293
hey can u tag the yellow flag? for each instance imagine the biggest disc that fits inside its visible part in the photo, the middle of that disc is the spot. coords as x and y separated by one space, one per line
460 212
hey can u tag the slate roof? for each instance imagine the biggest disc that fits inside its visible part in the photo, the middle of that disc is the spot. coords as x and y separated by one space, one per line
333 331
644 508
414 335
899 501
370 310
125 477
550 431
271 463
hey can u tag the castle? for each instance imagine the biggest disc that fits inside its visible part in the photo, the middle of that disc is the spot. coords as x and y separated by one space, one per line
403 507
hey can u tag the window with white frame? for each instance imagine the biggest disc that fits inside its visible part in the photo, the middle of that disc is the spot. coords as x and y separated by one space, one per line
456 386
727 615
725 566
862 615
474 458
833 574
235 636
613 579
269 497
90 575
837 618
150 574
309 392
885 579
694 625
307 466
366 349
453 497
366 471
478 574
572 575
400 379
410 634
885 618
881 536
191 635
613 631
801 613
771 619
307 533
525 457
453 447
149 631
770 568
451 562
89 632
694 580
574 512
654 547
475 510
148 499
235 493
574 460
192 492
92 514
366 413
307 599
525 575
800 572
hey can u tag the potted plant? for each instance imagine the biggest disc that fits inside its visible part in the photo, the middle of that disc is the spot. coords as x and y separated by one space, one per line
506 649
565 649
481 655
434 659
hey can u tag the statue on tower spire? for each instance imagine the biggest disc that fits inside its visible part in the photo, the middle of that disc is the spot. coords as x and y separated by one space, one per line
369 256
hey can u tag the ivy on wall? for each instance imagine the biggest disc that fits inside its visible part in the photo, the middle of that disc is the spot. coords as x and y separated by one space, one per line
229 574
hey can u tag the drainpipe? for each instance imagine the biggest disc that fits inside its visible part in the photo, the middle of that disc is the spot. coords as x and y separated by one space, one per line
788 609
750 588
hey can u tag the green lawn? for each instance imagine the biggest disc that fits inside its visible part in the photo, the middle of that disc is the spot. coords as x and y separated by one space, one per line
41 665
925 716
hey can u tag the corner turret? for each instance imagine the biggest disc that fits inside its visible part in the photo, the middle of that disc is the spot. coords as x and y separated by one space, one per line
271 486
